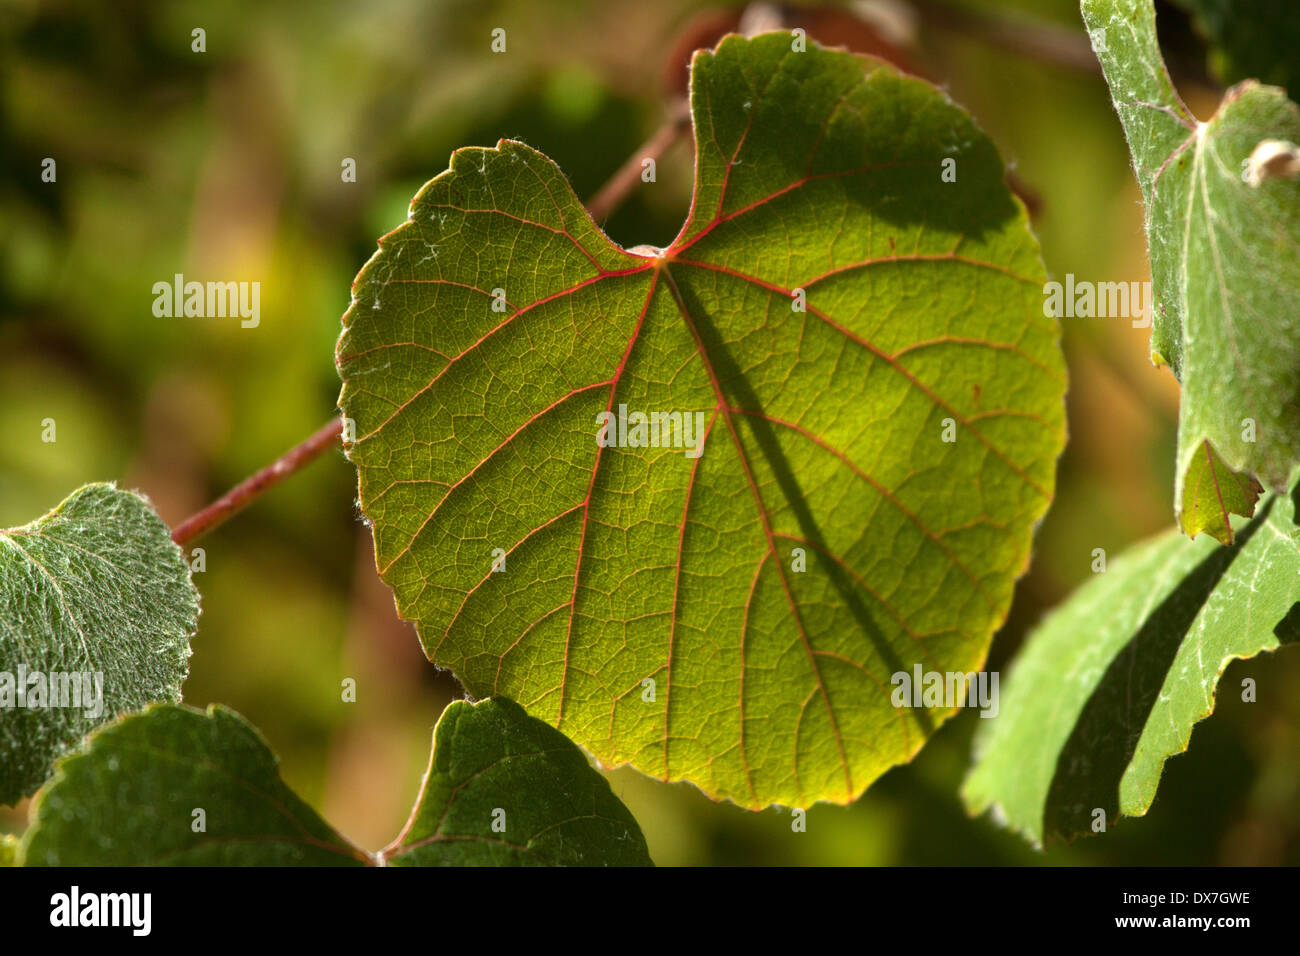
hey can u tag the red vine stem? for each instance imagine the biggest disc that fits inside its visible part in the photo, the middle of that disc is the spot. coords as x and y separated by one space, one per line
244 493
620 184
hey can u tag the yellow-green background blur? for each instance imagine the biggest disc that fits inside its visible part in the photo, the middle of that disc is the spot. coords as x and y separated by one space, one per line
226 164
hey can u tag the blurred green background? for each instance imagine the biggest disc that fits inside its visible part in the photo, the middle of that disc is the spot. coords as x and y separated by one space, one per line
227 164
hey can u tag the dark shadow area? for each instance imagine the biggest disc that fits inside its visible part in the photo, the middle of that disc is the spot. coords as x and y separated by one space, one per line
1288 629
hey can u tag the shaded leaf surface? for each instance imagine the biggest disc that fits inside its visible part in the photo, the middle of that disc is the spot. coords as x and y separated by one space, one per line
94 587
130 798
1110 685
1225 263
492 764
650 604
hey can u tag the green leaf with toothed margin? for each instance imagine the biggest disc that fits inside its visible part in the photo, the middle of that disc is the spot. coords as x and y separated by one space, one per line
503 789
96 615
869 409
1111 684
1225 263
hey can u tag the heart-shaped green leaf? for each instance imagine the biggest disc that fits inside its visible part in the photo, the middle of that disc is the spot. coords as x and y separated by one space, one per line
96 615
177 786
1225 263
857 406
1110 685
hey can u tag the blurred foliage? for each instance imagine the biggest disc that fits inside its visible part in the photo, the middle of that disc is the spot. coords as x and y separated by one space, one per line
1257 39
226 165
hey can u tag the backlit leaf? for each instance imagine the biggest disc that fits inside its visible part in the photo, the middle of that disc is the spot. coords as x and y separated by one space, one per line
872 465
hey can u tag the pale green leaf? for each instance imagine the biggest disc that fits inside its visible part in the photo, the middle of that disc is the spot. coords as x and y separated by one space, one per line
731 619
1225 262
96 589
1111 683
